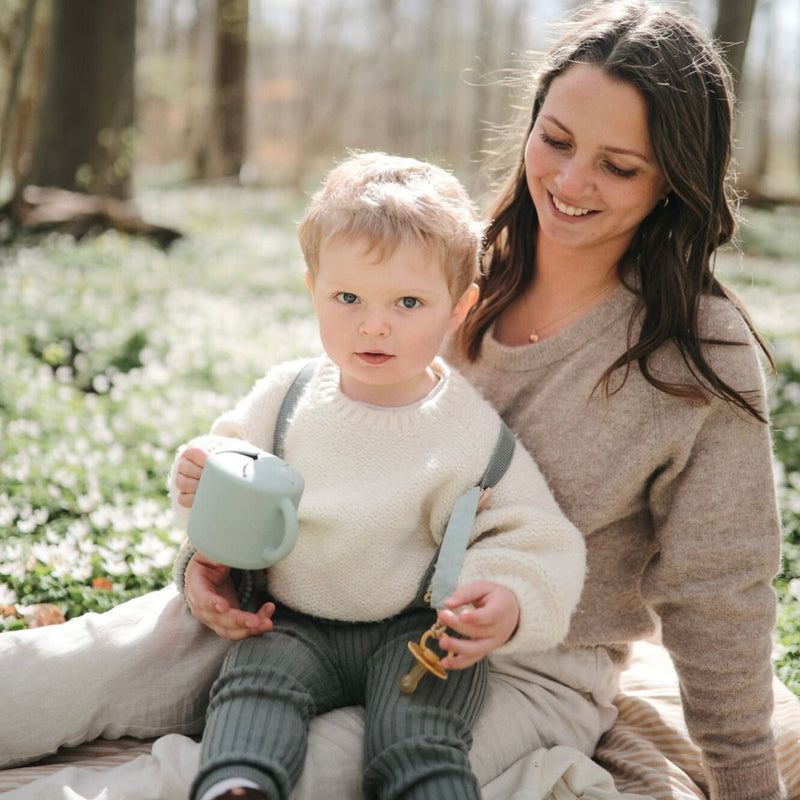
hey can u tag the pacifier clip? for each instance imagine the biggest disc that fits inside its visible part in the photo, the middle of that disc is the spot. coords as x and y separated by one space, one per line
451 557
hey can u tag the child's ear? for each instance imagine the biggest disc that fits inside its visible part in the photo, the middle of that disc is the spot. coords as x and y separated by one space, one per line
309 282
462 306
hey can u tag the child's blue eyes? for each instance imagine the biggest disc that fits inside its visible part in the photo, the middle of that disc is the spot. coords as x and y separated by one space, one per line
348 299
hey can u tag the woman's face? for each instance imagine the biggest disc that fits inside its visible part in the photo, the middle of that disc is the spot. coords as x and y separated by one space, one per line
590 165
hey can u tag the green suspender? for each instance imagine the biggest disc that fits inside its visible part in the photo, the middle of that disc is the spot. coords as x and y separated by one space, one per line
289 402
459 527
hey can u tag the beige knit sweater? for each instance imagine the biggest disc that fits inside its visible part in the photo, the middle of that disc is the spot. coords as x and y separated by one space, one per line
677 504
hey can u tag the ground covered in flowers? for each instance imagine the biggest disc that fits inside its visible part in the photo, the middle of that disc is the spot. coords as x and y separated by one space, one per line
113 352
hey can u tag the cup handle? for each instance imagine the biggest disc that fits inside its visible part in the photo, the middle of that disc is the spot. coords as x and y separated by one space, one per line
289 513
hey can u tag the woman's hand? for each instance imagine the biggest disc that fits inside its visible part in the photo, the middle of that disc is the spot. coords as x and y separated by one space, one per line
190 468
211 597
489 620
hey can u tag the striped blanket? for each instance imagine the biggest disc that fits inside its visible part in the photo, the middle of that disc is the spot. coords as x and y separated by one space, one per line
647 753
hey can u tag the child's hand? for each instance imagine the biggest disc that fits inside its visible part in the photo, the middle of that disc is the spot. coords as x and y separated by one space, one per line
190 467
490 619
211 597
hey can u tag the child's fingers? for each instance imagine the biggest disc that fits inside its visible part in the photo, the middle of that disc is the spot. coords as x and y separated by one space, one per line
469 594
463 653
467 622
235 624
195 456
190 466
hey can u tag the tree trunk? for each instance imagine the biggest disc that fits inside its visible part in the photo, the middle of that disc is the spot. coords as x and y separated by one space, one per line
763 101
85 134
80 177
15 81
732 29
227 147
324 71
486 34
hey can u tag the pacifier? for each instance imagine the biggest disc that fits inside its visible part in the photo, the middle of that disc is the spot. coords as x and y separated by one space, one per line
426 660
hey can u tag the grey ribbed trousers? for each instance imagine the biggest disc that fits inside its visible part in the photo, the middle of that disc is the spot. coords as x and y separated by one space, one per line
270 686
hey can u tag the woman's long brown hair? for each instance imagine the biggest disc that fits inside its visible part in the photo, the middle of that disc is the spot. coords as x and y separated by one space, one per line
686 87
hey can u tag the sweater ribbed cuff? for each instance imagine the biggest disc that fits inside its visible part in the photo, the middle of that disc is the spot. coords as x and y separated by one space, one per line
179 567
243 580
750 782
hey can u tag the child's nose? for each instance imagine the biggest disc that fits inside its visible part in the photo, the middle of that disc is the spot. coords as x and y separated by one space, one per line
374 323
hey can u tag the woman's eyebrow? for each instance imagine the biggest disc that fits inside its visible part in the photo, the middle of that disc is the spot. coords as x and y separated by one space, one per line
623 151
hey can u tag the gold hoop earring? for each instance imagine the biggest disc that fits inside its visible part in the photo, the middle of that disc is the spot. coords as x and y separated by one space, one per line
665 201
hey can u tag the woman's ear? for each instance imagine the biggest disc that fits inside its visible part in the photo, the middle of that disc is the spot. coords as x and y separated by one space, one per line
462 306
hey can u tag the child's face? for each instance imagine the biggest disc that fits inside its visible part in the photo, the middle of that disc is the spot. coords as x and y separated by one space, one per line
383 319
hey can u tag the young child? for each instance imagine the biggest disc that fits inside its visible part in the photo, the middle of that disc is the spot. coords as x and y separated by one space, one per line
387 437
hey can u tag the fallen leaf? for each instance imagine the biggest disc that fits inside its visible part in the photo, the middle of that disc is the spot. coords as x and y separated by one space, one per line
102 583
43 614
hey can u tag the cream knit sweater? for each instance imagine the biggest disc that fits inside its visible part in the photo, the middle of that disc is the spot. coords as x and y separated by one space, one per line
379 487
676 502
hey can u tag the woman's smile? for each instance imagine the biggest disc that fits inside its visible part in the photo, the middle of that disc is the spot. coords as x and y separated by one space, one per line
567 209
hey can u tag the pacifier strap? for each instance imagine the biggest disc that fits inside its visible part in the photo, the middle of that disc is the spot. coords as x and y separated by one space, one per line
462 518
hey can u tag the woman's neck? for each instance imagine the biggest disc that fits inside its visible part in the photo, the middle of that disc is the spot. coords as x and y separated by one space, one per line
566 286
569 272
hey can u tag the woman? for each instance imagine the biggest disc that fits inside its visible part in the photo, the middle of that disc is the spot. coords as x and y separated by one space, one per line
606 342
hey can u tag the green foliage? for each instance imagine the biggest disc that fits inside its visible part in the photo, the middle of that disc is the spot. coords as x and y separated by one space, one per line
771 233
113 352
786 427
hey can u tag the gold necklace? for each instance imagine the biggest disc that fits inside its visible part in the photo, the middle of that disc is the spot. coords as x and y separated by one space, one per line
533 336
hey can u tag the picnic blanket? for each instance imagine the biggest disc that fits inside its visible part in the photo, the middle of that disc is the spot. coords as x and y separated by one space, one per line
647 754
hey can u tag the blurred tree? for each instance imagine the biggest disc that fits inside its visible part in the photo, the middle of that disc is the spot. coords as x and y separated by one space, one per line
755 94
80 175
15 38
325 72
225 149
732 28
485 35
85 136
763 100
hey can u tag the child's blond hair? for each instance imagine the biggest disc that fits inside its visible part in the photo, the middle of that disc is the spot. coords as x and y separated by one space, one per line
389 200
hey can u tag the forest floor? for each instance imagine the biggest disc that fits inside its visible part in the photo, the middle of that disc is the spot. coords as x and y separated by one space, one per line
113 352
